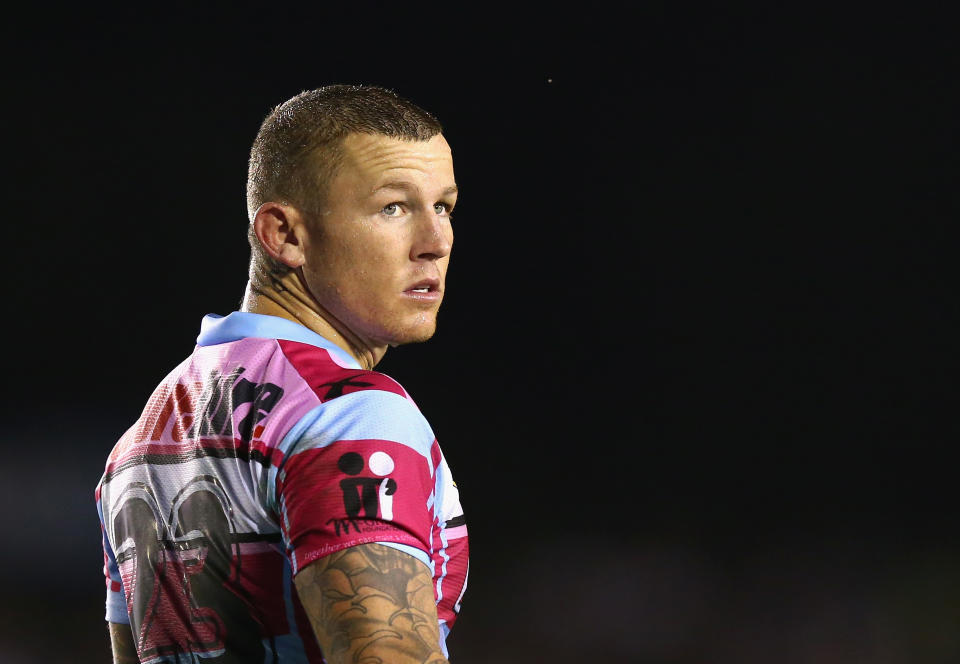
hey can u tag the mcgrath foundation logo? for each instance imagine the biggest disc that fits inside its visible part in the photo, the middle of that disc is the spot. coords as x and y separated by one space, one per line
366 494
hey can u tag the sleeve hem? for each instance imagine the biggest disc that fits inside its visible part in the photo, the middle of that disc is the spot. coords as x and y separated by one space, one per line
116 610
314 550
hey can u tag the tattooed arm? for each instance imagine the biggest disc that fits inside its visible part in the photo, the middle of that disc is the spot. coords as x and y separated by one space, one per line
372 603
124 650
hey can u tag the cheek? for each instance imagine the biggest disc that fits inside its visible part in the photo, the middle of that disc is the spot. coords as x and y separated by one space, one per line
367 278
344 262
363 266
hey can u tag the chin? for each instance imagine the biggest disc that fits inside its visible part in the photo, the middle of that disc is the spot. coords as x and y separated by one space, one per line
414 334
413 338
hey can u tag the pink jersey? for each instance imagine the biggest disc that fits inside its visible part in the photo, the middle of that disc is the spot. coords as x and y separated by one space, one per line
266 449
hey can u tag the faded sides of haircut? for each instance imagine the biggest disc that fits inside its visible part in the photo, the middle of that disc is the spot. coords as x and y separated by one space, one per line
298 149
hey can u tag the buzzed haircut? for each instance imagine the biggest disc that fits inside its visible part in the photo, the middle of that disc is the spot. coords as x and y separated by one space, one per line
299 146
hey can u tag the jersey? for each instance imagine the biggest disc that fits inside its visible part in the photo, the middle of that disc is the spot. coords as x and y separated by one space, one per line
266 449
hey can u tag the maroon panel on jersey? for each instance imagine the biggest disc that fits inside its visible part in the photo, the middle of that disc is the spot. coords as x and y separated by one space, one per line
330 381
454 581
354 492
258 572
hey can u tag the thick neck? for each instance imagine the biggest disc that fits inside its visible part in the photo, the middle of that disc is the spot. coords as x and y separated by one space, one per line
287 297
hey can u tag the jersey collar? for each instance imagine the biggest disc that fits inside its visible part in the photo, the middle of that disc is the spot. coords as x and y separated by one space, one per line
217 329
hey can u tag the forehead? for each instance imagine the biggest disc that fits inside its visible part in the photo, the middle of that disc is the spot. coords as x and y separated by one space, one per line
373 157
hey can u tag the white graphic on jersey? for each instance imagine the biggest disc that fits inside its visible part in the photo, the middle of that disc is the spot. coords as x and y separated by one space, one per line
381 464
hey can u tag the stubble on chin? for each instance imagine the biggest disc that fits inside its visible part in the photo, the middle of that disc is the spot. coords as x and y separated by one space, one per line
418 331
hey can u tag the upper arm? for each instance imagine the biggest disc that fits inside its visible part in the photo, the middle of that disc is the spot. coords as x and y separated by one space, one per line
359 468
371 601
121 636
121 642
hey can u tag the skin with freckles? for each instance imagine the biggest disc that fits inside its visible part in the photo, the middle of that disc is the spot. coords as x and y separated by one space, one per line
385 231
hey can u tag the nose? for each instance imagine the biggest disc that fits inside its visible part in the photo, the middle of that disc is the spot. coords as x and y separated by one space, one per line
433 237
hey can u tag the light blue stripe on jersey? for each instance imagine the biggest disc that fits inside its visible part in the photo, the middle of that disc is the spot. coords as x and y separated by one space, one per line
116 601
444 633
361 415
216 329
419 554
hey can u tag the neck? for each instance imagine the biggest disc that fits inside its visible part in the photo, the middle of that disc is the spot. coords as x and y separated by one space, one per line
287 297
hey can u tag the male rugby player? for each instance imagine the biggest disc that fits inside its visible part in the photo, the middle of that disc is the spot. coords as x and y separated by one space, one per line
278 500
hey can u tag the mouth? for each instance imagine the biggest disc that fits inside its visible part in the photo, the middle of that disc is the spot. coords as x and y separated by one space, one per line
424 289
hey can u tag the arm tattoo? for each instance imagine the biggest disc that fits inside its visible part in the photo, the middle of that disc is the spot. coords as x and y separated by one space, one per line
372 604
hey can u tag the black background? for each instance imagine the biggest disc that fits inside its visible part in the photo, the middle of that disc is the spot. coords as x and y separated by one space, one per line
695 367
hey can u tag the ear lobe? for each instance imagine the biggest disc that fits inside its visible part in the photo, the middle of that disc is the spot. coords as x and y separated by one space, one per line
278 228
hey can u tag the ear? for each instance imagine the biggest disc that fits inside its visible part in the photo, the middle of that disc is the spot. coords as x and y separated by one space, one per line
281 230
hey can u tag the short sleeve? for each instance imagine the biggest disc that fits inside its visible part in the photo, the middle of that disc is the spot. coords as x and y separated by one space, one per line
357 469
116 602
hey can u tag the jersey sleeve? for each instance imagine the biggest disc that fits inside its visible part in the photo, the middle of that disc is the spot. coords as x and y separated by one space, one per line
116 602
451 550
357 469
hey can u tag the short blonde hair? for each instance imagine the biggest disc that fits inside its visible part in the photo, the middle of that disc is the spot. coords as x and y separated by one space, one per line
298 149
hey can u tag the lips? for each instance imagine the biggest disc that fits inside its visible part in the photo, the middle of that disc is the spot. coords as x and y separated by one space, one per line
426 292
424 286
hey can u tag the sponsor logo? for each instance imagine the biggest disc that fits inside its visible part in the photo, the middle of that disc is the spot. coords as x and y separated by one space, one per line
359 526
337 387
373 496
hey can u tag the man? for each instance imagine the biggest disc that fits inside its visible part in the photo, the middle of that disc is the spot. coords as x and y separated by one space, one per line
278 500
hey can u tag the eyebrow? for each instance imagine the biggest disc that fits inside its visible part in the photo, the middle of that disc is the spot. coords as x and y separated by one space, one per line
409 186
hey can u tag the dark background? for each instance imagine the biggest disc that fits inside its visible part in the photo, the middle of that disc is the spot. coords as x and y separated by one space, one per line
695 368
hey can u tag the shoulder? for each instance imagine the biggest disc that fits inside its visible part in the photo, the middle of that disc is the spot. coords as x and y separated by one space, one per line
354 404
366 414
330 380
